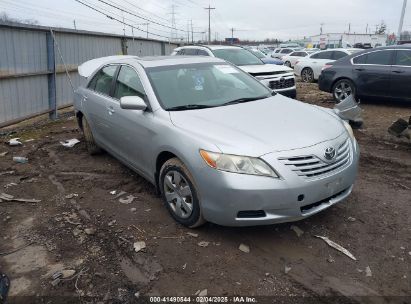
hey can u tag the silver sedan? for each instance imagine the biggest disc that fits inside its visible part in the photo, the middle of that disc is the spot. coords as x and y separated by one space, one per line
218 145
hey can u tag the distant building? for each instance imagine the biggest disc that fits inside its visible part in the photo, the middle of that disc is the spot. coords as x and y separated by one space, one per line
232 40
345 40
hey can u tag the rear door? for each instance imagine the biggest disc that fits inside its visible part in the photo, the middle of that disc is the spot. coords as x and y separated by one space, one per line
94 102
372 73
130 129
319 60
401 75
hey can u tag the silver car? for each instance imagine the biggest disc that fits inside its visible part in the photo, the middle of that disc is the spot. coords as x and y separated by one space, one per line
218 145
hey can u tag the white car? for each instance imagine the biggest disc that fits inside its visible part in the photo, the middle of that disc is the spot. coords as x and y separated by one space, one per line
279 78
280 53
292 58
310 67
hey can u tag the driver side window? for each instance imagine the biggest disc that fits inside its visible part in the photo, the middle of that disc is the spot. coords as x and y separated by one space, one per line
128 83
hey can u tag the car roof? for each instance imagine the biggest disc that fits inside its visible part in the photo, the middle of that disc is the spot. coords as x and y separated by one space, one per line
155 61
87 68
212 47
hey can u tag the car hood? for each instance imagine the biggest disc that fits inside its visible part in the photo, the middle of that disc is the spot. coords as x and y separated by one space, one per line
260 127
264 68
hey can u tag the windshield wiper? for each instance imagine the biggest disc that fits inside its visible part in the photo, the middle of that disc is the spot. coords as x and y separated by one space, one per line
189 107
245 99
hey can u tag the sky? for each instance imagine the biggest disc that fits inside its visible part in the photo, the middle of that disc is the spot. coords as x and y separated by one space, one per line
251 19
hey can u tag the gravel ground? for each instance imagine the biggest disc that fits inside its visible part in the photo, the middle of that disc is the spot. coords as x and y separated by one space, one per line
79 225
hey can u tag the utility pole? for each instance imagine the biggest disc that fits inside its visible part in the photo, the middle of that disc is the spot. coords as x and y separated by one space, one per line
74 22
124 26
366 29
209 8
192 32
188 31
146 24
232 35
402 19
349 28
321 28
173 22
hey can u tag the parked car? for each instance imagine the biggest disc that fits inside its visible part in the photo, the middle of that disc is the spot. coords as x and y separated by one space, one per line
290 59
277 77
214 141
383 72
283 52
264 58
310 67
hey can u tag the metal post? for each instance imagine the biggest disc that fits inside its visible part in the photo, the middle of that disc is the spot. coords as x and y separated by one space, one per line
51 78
209 8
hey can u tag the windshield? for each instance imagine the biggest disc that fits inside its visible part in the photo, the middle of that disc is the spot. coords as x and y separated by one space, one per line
258 54
203 84
237 56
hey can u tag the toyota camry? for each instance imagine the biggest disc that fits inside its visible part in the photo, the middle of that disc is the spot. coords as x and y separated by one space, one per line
218 145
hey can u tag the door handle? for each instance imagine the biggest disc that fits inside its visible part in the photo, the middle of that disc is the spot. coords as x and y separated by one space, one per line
398 71
111 110
360 69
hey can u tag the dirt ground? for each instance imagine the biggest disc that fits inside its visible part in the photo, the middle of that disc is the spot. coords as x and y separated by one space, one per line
79 225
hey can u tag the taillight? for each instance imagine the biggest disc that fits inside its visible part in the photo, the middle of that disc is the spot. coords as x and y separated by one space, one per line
326 67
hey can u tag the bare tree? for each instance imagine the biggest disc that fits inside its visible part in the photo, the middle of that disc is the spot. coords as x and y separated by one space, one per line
5 18
381 28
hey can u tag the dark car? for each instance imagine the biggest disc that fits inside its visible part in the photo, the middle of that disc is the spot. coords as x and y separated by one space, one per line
382 72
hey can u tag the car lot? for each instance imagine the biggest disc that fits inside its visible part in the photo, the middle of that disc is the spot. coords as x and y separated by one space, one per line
373 224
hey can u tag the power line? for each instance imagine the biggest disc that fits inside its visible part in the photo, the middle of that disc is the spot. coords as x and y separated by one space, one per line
141 17
113 18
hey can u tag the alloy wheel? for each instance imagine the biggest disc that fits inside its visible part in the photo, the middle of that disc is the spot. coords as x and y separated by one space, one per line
342 91
178 194
307 75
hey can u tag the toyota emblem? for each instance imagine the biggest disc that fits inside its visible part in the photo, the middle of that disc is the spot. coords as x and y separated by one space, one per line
329 153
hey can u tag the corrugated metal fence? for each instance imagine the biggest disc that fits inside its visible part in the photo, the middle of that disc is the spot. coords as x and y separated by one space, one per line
33 78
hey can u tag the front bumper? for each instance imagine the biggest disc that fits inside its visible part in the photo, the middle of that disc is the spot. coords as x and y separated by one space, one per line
246 200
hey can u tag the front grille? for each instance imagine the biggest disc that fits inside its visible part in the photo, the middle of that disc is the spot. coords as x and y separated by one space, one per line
311 166
282 84
251 214
306 208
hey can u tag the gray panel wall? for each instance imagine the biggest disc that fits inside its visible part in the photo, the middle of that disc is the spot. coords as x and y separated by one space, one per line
23 65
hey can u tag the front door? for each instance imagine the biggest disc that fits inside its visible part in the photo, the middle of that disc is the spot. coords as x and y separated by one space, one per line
130 130
401 75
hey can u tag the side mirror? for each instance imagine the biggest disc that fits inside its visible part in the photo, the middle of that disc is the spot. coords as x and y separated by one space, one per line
132 103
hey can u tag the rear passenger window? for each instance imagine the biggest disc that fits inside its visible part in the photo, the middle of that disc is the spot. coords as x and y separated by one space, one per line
360 59
190 52
380 57
202 53
322 55
128 83
403 58
338 55
102 81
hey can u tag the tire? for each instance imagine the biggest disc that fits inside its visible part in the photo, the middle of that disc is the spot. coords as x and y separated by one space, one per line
174 176
91 145
287 63
307 75
342 89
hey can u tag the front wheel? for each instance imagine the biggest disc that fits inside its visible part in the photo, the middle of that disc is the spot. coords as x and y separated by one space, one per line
307 75
91 145
343 89
180 194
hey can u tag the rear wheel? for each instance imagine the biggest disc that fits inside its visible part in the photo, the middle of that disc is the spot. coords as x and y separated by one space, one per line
342 89
307 75
180 194
91 145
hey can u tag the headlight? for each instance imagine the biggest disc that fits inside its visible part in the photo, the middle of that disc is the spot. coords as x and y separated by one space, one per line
237 164
349 129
